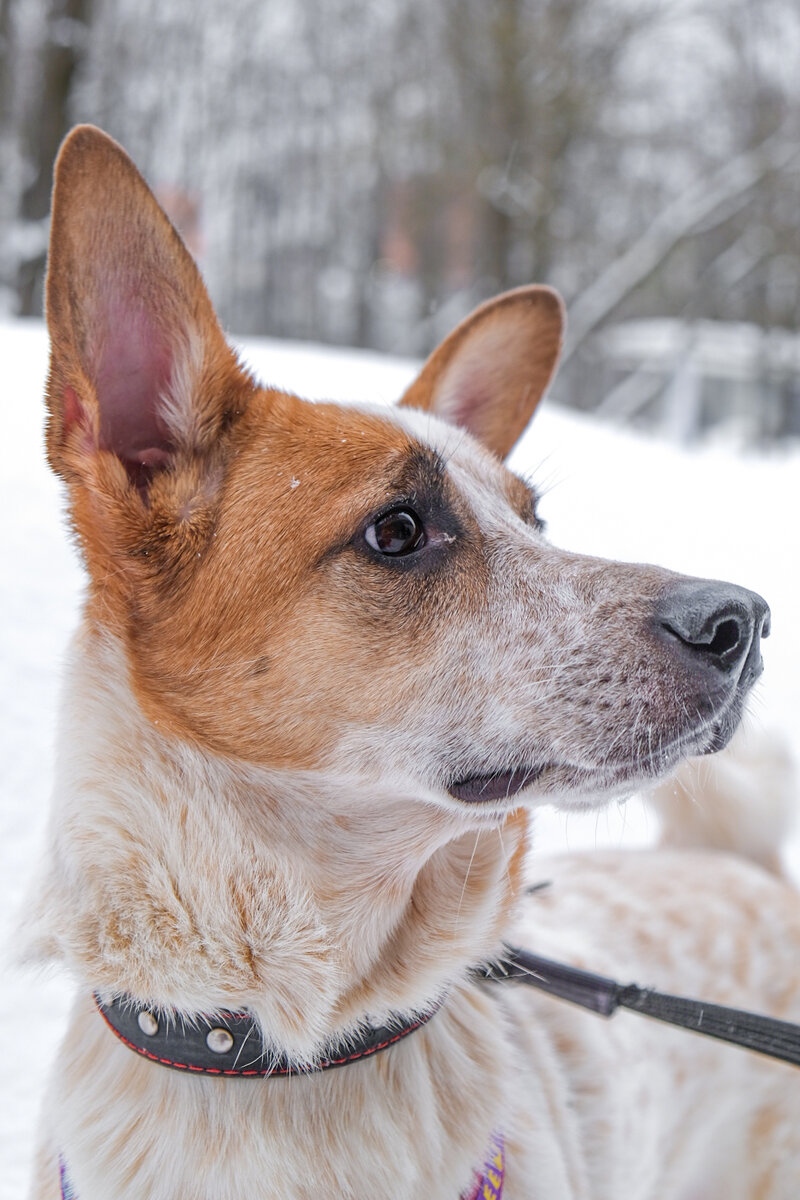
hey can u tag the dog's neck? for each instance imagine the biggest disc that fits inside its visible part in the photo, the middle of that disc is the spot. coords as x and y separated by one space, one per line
195 883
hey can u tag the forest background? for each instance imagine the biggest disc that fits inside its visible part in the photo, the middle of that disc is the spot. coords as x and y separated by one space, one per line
363 174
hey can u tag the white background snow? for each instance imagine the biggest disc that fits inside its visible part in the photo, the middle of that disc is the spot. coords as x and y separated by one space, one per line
718 511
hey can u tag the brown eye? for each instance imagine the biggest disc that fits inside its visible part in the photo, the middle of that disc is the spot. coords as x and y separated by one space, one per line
398 532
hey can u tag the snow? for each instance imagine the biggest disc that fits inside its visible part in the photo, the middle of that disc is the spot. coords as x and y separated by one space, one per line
714 511
730 350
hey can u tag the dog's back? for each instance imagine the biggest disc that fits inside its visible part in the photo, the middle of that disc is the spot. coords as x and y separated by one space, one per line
743 801
708 914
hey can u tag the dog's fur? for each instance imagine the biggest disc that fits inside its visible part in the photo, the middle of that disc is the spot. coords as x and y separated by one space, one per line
262 728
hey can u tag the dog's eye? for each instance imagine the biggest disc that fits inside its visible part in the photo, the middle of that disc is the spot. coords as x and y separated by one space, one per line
397 532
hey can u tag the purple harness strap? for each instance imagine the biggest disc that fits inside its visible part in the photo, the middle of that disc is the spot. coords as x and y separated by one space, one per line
489 1181
66 1187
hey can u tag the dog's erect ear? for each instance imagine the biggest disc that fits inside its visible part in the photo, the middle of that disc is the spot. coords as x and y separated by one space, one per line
493 369
139 366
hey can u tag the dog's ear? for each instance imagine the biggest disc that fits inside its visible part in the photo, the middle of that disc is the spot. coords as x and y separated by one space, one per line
490 373
141 377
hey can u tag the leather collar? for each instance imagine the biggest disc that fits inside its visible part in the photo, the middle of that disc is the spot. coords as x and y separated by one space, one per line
230 1044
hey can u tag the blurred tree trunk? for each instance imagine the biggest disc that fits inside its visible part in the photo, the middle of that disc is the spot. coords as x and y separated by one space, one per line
505 133
45 122
7 136
5 61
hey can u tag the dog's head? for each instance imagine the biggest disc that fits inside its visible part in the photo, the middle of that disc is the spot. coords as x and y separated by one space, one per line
354 590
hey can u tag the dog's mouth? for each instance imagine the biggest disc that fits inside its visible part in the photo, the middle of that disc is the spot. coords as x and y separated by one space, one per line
599 777
481 789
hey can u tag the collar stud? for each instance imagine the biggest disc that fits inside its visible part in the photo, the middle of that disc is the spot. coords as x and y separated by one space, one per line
147 1023
219 1041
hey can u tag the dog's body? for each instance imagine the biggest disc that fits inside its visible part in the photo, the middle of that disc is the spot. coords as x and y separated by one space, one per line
323 649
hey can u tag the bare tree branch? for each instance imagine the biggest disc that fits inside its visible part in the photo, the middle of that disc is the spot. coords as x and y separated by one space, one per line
677 221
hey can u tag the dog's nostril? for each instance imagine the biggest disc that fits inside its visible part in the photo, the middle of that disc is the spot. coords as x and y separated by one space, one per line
723 641
726 637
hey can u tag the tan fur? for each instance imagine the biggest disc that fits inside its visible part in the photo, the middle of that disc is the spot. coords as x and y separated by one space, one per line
263 725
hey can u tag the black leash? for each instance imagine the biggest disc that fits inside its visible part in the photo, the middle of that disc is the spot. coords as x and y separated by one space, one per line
764 1035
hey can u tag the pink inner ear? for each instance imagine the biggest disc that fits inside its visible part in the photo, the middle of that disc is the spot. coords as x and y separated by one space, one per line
482 385
467 407
467 393
474 382
132 371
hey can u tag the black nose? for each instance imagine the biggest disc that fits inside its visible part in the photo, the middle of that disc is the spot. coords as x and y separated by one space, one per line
719 623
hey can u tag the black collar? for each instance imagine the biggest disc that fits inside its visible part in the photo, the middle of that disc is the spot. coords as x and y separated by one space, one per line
230 1043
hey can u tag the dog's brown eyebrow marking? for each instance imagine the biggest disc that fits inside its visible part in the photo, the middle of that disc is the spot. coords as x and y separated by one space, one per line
425 483
423 472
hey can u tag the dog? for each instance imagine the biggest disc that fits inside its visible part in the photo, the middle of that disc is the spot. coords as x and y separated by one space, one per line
328 663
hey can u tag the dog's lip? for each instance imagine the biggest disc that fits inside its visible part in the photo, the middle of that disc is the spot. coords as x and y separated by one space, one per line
504 784
501 785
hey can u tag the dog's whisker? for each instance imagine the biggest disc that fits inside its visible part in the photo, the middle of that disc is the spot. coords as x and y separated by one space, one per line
506 860
466 880
241 1048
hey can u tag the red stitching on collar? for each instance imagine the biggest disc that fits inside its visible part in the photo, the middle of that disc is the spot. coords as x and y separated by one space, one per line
267 1071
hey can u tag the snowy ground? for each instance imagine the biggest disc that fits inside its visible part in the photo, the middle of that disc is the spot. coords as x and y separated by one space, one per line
712 512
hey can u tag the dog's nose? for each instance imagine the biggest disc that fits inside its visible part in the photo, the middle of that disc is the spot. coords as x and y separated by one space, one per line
718 623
